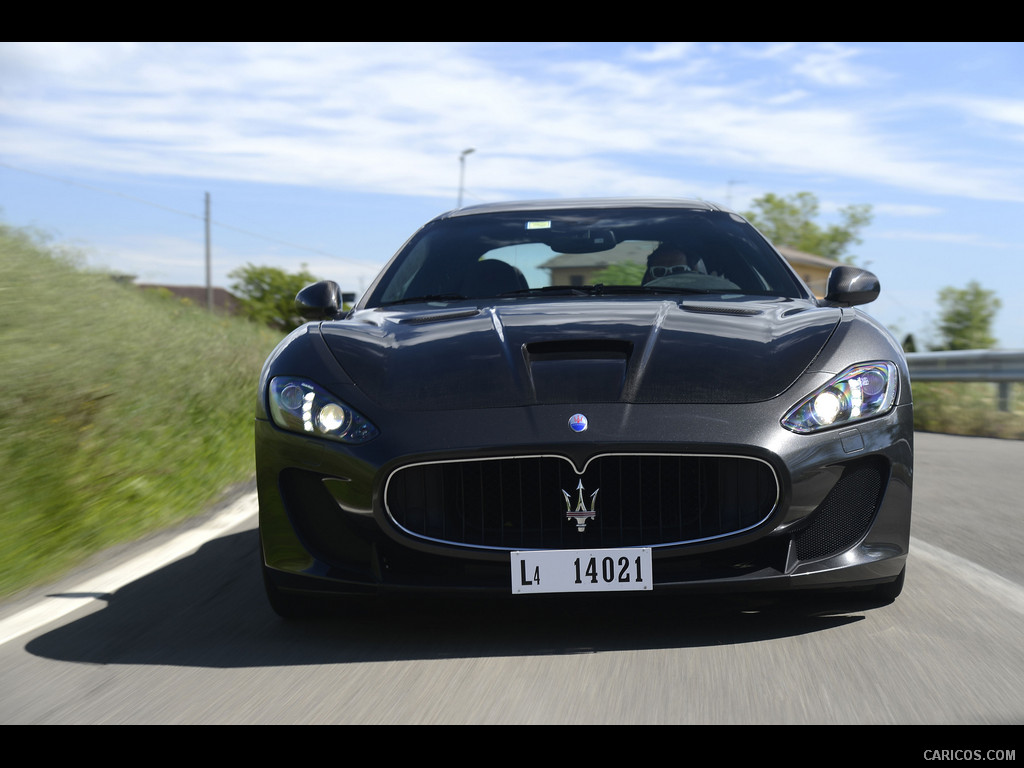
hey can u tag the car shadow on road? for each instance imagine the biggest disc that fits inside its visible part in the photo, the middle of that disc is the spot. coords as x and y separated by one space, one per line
209 610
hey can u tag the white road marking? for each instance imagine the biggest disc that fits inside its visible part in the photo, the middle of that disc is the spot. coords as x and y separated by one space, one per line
52 608
1008 593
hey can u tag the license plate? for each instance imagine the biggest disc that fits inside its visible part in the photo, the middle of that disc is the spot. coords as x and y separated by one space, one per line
581 570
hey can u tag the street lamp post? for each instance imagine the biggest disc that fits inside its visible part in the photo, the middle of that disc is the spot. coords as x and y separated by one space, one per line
462 173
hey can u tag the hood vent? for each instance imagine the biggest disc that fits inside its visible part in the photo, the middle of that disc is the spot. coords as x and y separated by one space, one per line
578 370
720 309
438 317
579 349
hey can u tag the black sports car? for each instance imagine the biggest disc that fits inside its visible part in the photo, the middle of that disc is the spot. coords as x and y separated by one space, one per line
580 396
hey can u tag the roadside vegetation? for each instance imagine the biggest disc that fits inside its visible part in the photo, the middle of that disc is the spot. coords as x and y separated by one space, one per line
968 408
123 411
966 316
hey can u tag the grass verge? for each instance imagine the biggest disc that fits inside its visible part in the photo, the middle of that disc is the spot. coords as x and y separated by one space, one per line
123 412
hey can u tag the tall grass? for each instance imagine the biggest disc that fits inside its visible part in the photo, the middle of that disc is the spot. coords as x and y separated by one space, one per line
121 412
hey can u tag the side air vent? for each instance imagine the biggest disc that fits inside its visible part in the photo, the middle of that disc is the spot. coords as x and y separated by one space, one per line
845 515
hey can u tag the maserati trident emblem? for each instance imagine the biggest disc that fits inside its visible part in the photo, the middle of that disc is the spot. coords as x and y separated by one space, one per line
581 514
578 422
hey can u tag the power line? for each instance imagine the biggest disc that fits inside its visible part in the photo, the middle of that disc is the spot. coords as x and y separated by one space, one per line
91 188
143 201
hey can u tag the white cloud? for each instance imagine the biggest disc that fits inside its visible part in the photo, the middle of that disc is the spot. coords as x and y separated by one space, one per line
1001 113
831 64
954 238
392 117
895 209
661 52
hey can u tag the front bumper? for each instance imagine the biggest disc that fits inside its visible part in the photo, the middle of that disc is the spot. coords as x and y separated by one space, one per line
842 517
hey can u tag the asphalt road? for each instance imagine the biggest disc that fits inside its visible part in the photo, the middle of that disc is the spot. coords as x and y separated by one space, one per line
194 642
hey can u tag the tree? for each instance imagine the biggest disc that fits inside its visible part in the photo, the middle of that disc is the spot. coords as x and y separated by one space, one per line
791 222
621 273
267 294
965 318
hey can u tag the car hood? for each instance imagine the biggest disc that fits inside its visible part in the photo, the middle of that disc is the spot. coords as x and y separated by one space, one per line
580 352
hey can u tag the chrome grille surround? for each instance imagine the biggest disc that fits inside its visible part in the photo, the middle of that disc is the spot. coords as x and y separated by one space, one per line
525 502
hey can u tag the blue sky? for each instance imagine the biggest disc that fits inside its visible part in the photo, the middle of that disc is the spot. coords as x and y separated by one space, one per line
329 155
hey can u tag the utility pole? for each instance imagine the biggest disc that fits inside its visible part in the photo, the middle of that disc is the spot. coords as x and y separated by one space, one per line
209 278
728 196
462 173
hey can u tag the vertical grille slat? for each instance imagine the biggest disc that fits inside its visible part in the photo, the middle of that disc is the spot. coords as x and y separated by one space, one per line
642 500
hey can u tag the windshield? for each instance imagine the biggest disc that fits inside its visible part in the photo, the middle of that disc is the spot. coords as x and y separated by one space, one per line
584 252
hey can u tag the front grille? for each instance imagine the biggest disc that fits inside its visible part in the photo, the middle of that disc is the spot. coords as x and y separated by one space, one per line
524 502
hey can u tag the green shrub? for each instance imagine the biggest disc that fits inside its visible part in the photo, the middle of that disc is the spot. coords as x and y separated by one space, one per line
967 408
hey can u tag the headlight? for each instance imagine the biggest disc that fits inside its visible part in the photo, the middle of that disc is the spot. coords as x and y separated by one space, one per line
300 405
861 392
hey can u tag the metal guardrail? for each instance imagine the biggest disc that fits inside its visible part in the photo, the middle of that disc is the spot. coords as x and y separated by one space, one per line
1001 366
967 365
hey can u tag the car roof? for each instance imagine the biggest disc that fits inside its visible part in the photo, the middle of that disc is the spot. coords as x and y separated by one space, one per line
595 204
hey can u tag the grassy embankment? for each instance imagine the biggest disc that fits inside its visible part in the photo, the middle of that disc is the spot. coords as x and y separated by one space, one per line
122 412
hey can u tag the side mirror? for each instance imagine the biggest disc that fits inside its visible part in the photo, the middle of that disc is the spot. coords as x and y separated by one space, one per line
319 301
849 286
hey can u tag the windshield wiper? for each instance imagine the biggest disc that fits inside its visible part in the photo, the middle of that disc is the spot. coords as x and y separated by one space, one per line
601 290
425 299
628 289
548 290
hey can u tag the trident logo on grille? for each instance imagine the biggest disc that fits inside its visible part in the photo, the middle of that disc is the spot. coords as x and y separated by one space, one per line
581 514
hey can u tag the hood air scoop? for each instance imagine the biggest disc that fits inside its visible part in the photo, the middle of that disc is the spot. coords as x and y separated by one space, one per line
583 370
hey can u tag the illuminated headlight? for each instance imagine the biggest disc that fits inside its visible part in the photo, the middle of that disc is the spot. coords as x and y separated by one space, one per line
861 392
300 405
